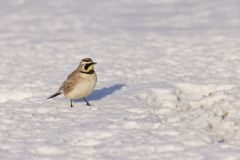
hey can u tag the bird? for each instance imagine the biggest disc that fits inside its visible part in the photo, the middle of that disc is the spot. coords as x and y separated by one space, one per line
80 83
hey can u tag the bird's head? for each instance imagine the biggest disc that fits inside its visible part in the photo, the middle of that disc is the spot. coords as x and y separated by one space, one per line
87 65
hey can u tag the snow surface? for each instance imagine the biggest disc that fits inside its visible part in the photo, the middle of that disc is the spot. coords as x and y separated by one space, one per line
168 74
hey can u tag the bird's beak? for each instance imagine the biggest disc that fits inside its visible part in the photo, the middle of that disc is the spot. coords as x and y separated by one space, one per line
94 63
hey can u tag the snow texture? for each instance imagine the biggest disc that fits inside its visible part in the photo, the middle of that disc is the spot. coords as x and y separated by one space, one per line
168 79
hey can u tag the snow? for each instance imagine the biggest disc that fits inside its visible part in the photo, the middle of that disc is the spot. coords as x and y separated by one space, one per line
168 79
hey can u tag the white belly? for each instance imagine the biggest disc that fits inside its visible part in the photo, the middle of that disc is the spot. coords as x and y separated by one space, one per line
82 89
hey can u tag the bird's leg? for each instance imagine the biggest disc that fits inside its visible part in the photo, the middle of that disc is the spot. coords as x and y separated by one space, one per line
86 101
71 103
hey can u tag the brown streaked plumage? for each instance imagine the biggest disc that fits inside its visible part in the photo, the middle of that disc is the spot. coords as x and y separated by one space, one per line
80 83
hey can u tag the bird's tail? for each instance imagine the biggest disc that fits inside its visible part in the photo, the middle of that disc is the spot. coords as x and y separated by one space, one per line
54 95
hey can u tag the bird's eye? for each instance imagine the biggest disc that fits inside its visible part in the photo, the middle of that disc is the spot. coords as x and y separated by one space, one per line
86 66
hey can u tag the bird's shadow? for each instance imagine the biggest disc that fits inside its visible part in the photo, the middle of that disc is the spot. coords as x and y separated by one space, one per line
103 92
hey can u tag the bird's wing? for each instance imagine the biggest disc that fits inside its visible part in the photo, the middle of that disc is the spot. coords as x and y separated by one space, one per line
68 84
72 74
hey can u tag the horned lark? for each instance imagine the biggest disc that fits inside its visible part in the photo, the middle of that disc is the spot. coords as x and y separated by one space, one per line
80 83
